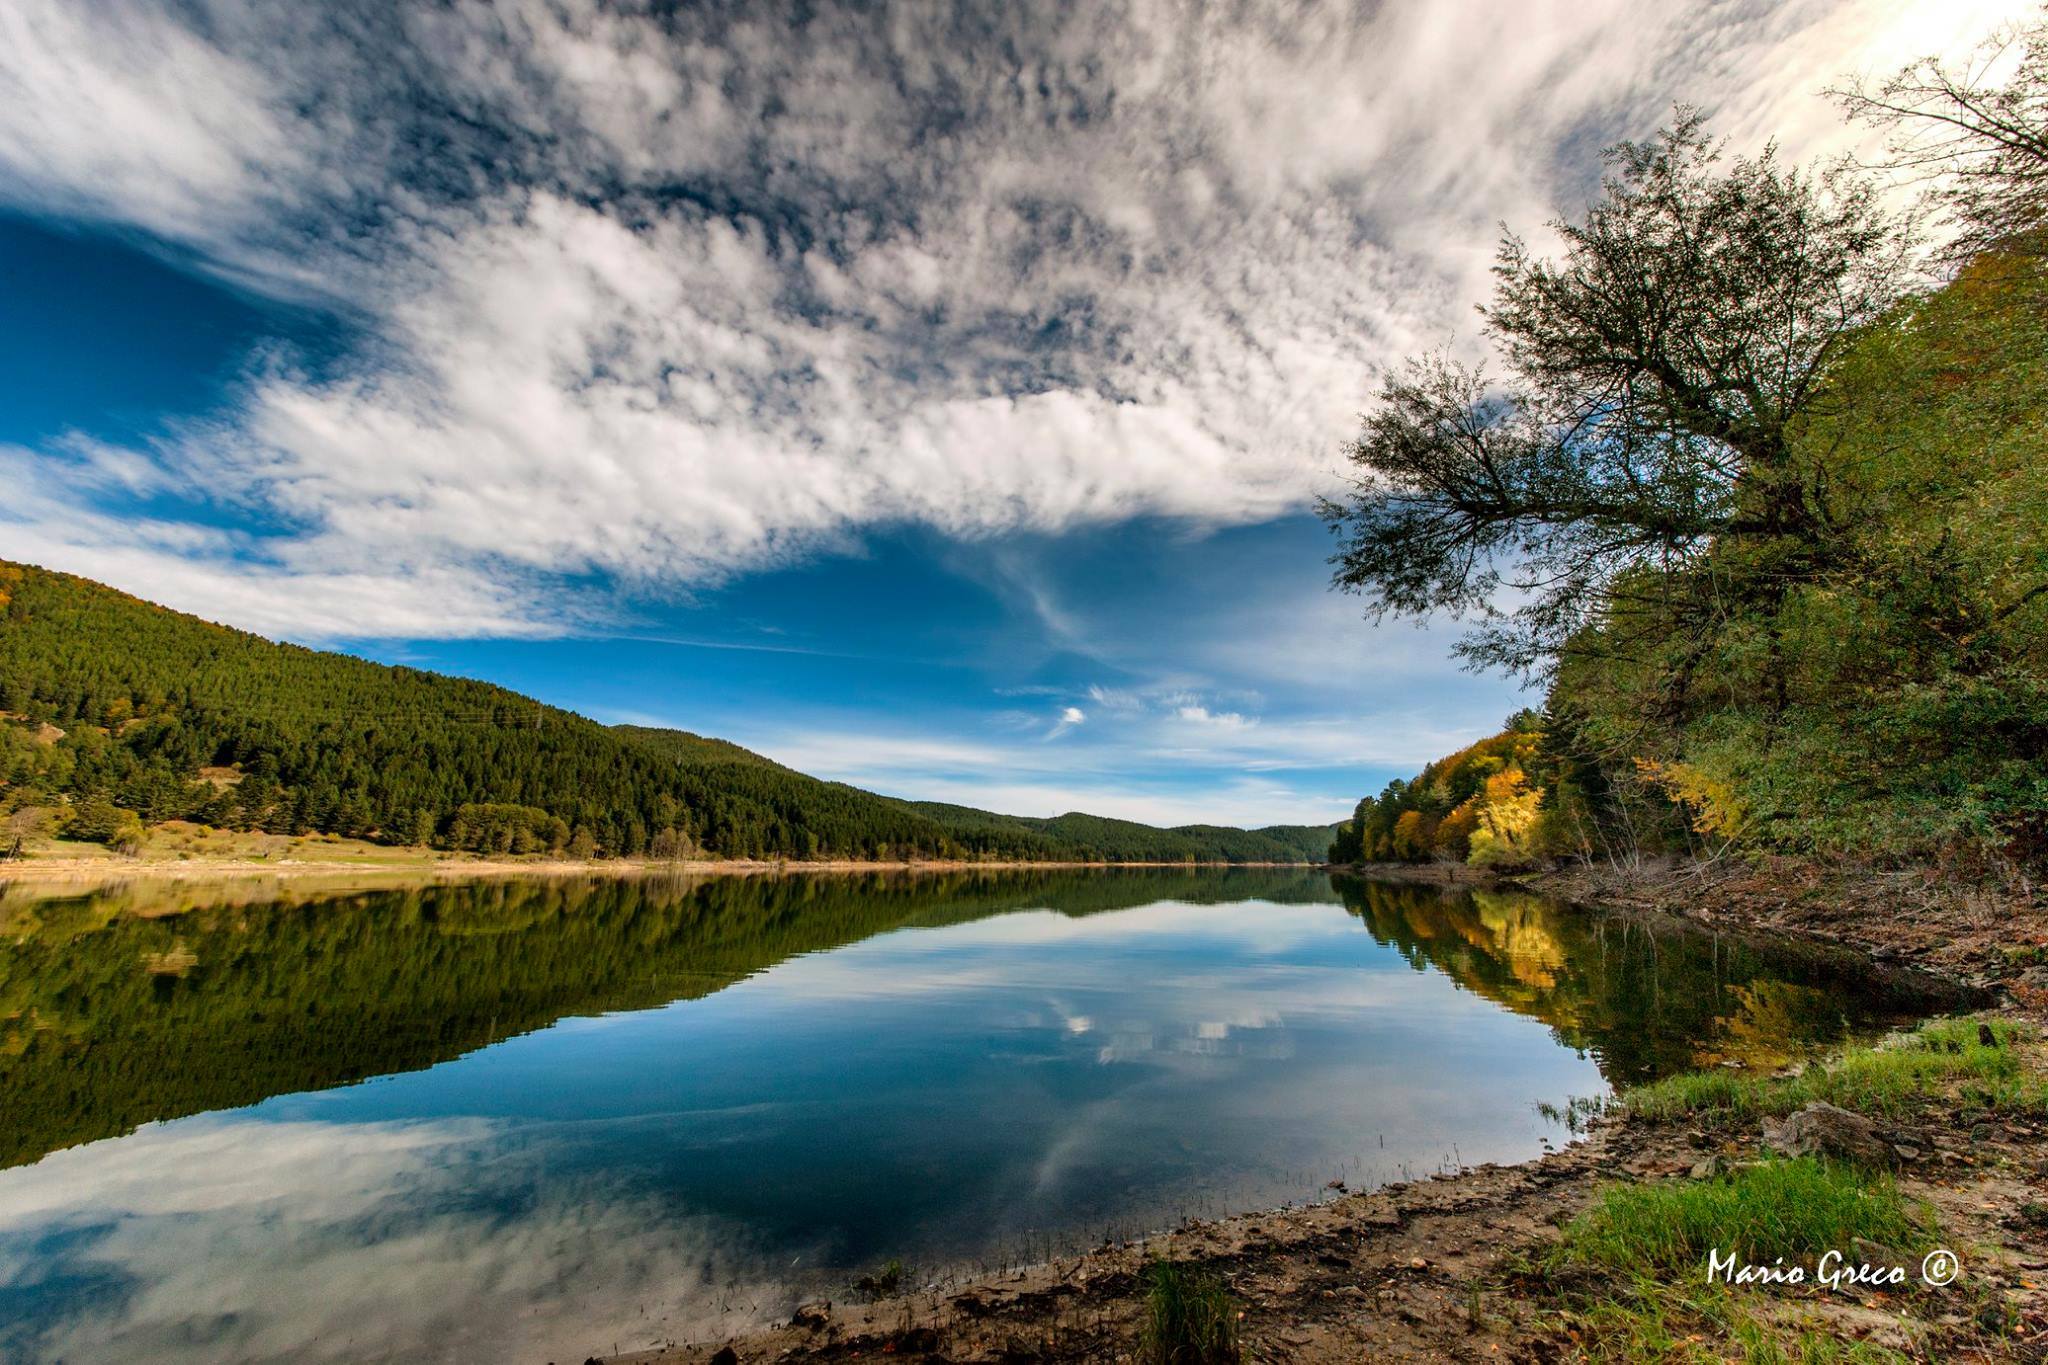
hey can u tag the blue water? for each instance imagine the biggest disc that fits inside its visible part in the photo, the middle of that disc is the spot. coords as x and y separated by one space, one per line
956 1097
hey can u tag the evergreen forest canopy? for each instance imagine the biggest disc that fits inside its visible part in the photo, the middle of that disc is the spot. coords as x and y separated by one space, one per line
1760 495
115 713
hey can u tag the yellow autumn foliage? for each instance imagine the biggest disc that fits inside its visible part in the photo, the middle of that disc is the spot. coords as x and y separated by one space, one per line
1507 817
1716 808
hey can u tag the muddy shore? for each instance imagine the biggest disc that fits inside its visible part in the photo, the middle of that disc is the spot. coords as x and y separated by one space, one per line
1439 1269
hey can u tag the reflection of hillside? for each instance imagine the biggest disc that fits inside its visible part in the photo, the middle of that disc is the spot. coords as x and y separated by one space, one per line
1644 1001
147 1001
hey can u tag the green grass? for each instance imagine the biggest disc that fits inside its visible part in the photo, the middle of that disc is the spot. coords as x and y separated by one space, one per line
1890 1079
1190 1318
1640 1291
1649 1244
1649 1321
1793 1209
1760 1347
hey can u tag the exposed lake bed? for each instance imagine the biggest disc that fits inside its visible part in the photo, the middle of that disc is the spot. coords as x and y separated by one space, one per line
528 1118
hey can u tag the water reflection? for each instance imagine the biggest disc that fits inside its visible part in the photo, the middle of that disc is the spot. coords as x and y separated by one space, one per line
626 1111
281 987
1647 998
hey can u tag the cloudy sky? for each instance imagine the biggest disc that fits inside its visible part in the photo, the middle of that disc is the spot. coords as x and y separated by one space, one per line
931 397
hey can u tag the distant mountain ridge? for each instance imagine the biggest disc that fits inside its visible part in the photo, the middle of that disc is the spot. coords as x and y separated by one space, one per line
166 716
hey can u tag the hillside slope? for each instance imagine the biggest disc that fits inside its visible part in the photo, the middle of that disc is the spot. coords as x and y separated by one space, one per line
1887 703
113 710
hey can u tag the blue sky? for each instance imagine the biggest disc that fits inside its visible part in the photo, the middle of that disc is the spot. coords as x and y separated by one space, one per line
933 399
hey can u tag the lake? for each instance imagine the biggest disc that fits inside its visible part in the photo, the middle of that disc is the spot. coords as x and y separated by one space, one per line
528 1120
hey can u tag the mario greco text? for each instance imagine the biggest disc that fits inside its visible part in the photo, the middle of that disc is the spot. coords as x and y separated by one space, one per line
1832 1271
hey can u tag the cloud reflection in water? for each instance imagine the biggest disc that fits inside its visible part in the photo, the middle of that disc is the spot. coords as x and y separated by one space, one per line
950 1096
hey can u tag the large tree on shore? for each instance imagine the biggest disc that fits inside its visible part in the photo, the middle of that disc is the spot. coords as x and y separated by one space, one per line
1654 379
1978 130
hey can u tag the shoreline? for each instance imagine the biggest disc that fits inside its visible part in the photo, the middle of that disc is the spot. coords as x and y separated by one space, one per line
1440 1268
68 870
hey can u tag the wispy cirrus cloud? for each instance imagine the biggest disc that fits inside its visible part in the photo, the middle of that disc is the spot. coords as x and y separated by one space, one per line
659 297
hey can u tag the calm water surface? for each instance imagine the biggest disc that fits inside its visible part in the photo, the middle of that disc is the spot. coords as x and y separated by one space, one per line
529 1120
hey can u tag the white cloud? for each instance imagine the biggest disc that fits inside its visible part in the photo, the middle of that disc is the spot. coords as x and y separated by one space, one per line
673 298
1069 717
1119 700
216 1226
1202 715
126 112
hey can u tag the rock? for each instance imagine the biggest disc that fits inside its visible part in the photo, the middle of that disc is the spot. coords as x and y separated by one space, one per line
812 1315
1709 1168
1822 1129
1906 1151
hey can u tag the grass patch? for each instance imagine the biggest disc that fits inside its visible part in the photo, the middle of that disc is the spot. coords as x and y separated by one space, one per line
1632 1269
1649 1244
1190 1318
1649 1321
1891 1078
1760 1347
1793 1209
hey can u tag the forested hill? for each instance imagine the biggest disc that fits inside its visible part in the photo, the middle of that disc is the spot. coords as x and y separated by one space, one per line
115 712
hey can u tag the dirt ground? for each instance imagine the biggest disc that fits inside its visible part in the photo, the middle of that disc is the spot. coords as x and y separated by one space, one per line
1438 1269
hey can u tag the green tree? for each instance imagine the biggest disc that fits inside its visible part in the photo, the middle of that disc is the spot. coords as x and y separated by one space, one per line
96 820
1655 378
